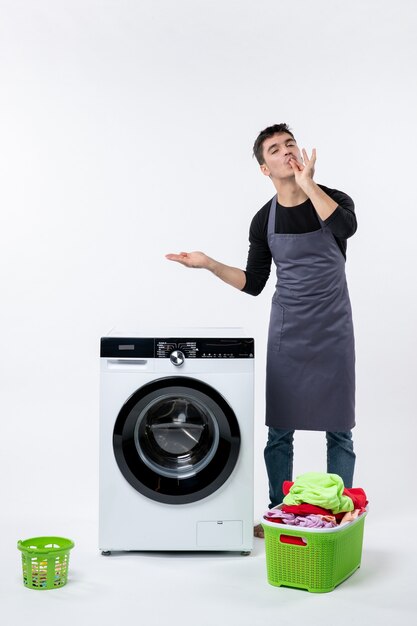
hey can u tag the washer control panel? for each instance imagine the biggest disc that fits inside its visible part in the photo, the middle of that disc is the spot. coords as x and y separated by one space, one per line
177 348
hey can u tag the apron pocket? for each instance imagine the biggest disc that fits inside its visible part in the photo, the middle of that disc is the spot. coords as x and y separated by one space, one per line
276 324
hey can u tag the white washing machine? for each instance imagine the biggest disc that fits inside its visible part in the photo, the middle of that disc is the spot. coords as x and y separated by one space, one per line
176 442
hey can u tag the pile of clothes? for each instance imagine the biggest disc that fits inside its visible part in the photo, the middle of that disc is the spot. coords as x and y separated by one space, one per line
318 500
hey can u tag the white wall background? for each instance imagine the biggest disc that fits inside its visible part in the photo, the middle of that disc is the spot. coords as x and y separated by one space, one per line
126 132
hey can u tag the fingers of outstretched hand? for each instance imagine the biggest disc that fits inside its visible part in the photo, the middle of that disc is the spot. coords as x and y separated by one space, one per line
188 259
181 257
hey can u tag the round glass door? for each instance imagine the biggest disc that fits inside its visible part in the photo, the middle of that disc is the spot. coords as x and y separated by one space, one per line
176 436
176 440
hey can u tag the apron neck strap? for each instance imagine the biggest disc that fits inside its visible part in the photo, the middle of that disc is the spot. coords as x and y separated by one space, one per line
272 214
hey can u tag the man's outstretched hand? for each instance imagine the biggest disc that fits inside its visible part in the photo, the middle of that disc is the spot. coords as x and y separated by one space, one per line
231 275
191 259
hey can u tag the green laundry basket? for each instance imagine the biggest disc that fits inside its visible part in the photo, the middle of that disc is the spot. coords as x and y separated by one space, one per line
45 561
323 559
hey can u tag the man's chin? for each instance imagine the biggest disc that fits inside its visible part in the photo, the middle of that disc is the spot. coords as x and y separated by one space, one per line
284 177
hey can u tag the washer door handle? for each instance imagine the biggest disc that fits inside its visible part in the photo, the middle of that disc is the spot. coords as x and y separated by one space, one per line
177 357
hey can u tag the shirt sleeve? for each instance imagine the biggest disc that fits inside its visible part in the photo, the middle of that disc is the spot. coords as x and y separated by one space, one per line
258 266
342 222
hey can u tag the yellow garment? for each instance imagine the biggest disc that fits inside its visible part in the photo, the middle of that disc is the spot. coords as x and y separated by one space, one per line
320 489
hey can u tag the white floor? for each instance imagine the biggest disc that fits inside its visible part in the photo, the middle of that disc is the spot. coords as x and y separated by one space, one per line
206 589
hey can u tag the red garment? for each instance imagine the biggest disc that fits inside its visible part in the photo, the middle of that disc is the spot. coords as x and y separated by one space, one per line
358 496
305 509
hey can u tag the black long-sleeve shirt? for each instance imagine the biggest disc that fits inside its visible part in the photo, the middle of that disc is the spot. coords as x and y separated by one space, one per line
297 219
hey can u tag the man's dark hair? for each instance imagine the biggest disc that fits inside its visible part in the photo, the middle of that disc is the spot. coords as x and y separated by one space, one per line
265 134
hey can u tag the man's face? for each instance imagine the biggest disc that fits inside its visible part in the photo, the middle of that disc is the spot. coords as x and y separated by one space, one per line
277 151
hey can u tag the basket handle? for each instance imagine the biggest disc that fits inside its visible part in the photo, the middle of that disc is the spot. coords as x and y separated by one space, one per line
294 540
34 549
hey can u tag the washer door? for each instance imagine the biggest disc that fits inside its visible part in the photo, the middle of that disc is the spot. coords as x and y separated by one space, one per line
176 440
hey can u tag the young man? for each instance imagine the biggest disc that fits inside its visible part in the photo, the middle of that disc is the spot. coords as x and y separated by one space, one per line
310 378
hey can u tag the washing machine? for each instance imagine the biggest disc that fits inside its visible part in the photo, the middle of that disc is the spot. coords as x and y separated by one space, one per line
176 442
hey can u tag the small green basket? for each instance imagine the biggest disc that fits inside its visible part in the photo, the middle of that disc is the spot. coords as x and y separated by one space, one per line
325 558
45 561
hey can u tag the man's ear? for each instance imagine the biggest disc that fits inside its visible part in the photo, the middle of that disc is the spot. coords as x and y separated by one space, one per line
265 170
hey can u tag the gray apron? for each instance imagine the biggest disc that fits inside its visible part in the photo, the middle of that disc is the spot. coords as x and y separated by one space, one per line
310 375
